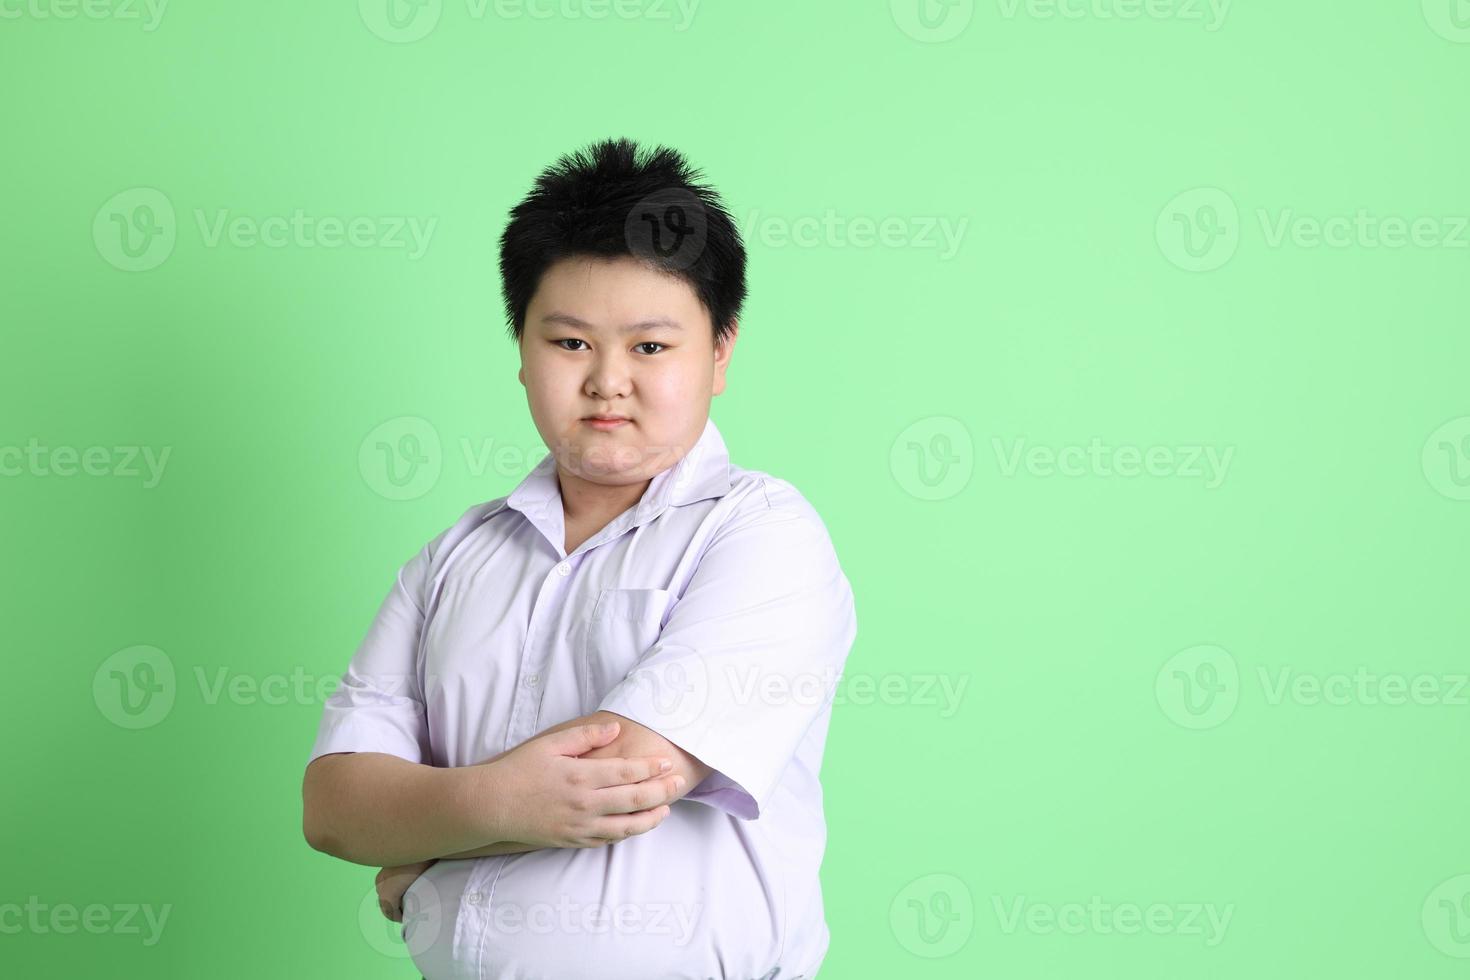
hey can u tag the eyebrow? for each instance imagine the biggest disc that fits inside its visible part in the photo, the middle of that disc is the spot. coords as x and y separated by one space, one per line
566 319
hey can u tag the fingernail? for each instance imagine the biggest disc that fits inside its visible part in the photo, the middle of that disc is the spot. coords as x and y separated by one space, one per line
664 765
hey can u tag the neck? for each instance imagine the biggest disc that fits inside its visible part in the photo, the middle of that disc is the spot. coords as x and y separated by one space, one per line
582 500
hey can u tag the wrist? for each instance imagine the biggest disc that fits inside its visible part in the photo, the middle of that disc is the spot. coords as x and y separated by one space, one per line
480 798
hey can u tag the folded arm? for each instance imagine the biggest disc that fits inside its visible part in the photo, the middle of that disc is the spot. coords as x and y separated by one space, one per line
633 741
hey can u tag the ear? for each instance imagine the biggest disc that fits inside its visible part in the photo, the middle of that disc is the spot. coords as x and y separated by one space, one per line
722 357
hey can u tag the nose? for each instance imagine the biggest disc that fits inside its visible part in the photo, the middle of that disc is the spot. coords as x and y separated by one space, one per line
609 376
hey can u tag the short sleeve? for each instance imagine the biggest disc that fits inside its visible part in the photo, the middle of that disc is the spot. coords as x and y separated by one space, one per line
379 706
750 656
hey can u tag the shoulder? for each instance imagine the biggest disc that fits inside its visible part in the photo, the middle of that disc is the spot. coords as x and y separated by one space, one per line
772 548
758 491
468 522
758 499
424 567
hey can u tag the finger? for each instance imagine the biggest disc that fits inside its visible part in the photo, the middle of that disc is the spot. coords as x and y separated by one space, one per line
620 772
639 796
590 842
581 738
621 827
584 738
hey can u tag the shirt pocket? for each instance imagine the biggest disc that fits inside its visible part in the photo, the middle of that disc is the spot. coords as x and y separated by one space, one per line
622 626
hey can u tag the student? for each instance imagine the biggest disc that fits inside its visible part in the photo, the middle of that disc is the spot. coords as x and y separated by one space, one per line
635 576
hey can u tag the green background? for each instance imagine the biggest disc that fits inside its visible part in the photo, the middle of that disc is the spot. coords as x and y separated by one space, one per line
890 380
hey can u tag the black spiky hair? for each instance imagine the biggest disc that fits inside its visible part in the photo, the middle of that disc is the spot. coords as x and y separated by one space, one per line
614 198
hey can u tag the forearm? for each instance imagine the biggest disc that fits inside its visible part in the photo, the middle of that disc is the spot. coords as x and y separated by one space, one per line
633 739
376 809
490 850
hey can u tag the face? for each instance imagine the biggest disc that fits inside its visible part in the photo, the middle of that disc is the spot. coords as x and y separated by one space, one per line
610 336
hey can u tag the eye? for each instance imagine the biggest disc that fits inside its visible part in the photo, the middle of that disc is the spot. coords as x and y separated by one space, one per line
578 340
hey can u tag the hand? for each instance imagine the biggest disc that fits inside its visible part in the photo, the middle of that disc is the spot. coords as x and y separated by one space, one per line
393 882
545 795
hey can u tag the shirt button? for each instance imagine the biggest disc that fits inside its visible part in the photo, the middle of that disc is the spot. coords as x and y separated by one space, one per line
564 569
473 898
532 679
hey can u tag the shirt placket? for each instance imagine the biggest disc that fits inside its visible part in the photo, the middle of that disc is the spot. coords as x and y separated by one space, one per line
531 678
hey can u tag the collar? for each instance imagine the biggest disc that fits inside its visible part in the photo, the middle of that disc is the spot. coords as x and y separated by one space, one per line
701 473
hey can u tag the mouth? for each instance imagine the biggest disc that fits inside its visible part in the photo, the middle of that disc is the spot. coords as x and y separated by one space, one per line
606 422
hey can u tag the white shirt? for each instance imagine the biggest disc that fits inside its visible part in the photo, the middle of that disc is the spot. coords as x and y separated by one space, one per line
714 611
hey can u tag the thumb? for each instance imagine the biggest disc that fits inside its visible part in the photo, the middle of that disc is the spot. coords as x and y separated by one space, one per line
584 738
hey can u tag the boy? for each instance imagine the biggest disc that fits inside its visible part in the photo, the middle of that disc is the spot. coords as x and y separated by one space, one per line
636 577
